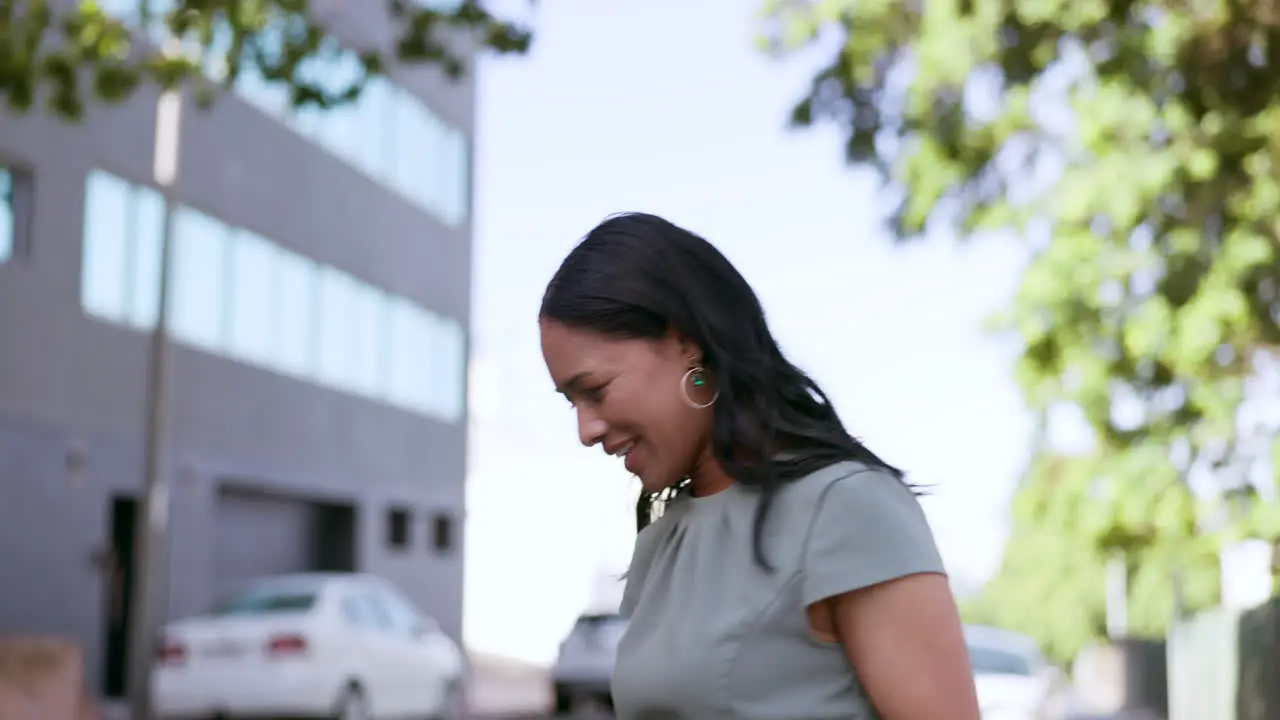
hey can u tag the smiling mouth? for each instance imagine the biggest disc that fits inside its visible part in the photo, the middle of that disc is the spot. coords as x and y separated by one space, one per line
622 450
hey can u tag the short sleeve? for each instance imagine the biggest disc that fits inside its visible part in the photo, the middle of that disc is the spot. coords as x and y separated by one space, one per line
868 528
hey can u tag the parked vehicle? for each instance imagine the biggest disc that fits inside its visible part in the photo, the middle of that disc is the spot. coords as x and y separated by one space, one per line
318 645
584 666
1013 680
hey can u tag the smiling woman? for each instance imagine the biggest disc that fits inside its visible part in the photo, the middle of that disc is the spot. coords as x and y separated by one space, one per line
785 549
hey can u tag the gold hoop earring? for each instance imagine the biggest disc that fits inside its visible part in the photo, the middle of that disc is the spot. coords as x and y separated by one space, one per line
697 376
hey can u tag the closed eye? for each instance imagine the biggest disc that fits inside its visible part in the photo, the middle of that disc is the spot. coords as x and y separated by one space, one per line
592 395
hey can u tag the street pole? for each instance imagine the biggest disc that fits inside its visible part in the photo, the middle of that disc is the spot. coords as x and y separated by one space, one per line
147 601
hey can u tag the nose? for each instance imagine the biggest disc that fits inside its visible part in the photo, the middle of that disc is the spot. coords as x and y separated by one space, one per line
591 429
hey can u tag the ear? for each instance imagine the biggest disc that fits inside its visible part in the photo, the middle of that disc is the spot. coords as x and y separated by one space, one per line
688 350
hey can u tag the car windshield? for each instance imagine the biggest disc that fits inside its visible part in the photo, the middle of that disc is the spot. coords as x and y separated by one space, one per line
994 661
268 599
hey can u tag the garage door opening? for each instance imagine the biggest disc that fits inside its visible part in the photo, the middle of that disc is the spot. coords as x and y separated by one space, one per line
260 534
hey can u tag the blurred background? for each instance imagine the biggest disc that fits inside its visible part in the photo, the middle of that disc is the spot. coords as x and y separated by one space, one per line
269 275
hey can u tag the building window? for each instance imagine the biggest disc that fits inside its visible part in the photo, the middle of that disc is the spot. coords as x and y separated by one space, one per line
120 261
8 215
337 290
398 521
270 97
253 280
365 348
442 533
388 133
298 289
408 339
457 175
238 294
105 254
410 171
198 294
374 125
449 370
147 225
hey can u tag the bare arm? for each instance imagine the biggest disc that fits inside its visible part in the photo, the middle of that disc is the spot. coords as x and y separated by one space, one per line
905 639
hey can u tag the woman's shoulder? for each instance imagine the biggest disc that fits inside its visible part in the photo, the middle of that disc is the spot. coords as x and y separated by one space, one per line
844 477
650 538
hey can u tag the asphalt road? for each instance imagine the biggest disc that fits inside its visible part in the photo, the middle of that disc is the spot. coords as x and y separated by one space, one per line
606 716
577 716
601 715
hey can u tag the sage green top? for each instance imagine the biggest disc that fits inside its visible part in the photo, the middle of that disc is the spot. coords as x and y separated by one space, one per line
713 636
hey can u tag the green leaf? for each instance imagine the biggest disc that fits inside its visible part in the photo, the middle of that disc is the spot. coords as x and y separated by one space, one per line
218 38
1148 146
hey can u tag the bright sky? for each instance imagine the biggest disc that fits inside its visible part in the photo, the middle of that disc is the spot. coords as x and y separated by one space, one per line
665 106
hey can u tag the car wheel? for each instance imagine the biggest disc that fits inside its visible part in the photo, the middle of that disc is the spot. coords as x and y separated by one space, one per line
352 705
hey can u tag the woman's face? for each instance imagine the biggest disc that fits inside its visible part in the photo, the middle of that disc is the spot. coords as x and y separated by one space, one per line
627 396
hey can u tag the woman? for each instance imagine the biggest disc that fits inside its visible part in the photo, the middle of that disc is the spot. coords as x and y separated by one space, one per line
791 574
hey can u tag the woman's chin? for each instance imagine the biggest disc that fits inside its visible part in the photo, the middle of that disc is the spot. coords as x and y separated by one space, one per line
655 484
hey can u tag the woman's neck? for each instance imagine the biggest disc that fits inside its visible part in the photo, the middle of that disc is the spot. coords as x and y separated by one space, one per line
709 477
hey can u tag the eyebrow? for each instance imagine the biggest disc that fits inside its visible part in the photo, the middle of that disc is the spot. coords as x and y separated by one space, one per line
573 381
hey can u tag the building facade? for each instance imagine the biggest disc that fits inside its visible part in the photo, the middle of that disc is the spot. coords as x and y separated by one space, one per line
320 295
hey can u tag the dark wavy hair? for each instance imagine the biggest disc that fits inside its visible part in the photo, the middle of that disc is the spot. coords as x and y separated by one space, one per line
637 276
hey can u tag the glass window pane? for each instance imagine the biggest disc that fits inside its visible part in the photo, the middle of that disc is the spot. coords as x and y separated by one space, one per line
144 263
412 148
405 618
253 299
272 97
6 215
403 363
308 121
296 279
384 389
433 167
340 130
459 181
449 368
333 74
464 178
413 375
365 317
197 295
103 263
373 122
269 97
335 362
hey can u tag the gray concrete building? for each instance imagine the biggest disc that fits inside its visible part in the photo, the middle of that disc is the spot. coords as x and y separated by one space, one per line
320 298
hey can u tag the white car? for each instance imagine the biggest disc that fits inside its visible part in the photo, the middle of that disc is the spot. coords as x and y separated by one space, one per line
320 645
1013 680
584 665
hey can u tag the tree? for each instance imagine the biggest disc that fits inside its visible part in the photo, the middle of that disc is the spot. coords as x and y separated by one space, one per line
1052 582
1135 148
53 50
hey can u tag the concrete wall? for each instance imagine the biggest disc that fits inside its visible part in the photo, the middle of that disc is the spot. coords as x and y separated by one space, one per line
72 388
